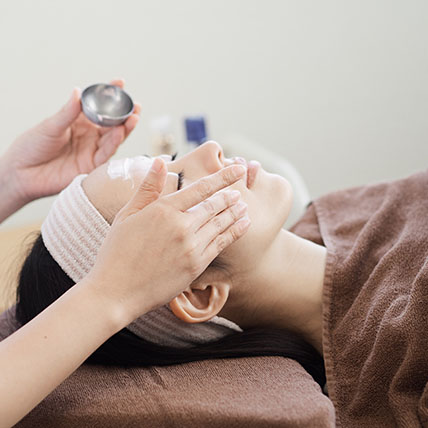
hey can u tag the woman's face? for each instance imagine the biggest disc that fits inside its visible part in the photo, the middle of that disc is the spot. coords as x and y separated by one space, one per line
268 196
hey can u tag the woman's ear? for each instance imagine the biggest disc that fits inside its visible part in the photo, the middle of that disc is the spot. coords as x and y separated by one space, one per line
201 301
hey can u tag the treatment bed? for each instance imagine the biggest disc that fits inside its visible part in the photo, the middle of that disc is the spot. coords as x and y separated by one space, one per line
244 392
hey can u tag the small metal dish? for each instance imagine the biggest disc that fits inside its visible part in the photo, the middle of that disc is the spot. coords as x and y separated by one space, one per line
106 105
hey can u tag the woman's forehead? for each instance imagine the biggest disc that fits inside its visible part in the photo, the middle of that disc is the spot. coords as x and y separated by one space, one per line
112 184
126 168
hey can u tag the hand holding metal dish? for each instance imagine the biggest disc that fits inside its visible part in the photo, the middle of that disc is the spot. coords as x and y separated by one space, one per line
106 105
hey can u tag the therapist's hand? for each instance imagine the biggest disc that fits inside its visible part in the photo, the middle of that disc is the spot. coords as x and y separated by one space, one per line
158 245
45 159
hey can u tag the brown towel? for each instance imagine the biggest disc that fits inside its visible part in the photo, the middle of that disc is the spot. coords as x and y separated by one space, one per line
375 301
260 392
257 392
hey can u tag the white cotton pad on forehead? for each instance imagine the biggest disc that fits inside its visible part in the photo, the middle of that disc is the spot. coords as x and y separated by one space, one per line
73 232
125 168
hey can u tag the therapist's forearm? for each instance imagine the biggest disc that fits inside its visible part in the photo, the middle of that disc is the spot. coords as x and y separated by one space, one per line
11 200
39 356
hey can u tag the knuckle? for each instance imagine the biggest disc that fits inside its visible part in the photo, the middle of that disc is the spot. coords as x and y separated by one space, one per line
227 198
190 247
238 210
238 230
228 176
182 234
149 186
209 207
194 270
188 226
204 188
221 243
234 212
217 224
193 262
234 235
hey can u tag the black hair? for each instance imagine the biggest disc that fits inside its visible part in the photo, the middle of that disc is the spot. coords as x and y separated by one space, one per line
42 281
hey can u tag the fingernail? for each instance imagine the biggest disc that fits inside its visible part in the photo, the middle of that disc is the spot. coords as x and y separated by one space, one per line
241 206
75 89
157 164
244 221
240 160
70 98
238 170
235 195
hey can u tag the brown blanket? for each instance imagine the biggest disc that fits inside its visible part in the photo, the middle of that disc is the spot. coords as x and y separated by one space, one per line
375 335
259 392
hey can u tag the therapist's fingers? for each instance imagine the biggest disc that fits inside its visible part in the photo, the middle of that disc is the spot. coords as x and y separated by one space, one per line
108 144
205 187
132 120
56 125
118 82
148 191
223 240
215 204
221 222
137 108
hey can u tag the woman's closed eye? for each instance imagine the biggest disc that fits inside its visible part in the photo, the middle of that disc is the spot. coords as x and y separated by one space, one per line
180 180
180 174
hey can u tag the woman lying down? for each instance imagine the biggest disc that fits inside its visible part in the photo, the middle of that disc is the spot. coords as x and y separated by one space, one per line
346 288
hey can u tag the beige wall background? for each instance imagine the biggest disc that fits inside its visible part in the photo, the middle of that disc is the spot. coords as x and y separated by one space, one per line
339 88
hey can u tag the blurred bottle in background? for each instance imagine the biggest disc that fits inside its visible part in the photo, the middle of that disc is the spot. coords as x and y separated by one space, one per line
162 140
196 132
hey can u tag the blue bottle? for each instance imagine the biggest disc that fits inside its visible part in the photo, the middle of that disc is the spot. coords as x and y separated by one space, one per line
196 132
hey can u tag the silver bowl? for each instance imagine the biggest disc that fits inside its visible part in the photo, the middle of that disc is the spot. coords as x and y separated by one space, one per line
106 105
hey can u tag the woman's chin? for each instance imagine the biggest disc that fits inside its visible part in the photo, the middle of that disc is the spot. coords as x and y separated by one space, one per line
273 200
282 197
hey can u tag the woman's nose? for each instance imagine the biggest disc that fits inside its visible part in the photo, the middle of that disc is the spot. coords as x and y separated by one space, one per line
211 156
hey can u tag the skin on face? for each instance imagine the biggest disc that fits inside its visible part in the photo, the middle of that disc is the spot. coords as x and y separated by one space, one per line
269 199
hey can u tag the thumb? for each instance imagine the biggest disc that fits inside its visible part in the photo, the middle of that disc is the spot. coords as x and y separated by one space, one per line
150 188
61 120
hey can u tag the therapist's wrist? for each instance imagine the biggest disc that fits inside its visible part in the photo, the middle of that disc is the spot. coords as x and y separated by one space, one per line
113 311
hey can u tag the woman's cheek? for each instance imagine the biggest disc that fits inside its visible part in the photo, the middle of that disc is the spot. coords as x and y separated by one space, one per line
237 253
